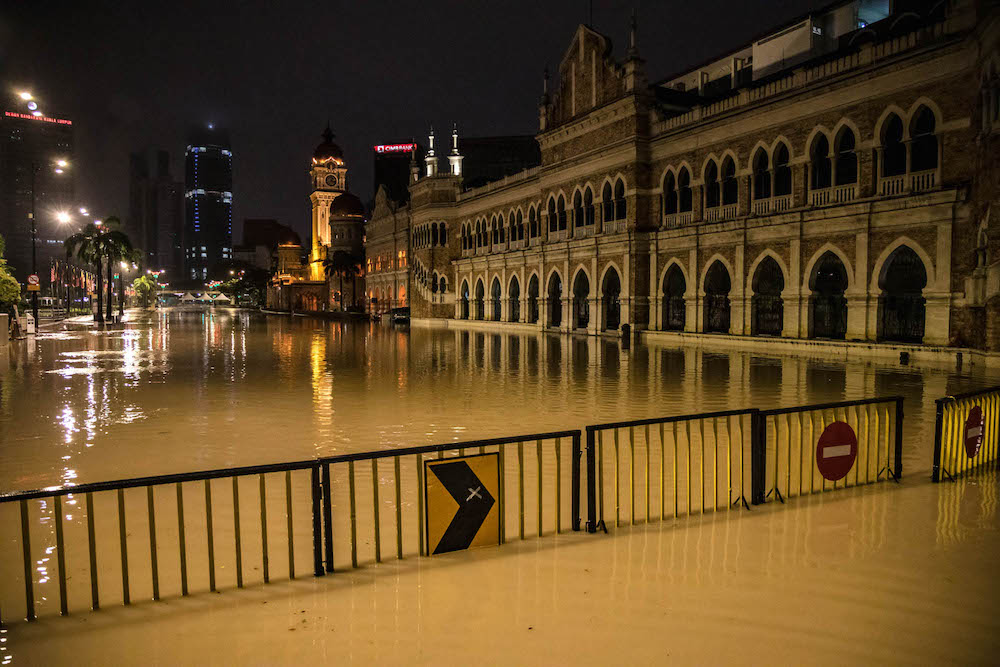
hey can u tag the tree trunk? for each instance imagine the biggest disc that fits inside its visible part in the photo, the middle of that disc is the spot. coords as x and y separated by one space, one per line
99 315
111 287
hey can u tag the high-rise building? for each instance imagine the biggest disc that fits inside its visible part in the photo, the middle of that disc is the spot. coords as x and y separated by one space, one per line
208 183
156 210
32 144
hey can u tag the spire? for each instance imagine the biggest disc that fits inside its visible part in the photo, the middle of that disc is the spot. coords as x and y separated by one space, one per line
545 85
633 52
431 158
328 133
455 159
414 167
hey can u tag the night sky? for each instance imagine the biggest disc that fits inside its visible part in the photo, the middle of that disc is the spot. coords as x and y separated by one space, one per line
132 75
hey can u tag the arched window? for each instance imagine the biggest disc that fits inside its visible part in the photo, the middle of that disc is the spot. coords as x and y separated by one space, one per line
767 307
712 189
901 305
819 157
581 300
443 236
533 299
434 283
674 285
555 300
761 175
893 148
588 206
684 190
717 286
553 218
607 204
620 205
514 294
847 158
495 294
561 210
442 285
501 235
827 303
532 223
480 301
464 314
578 220
669 194
730 187
434 234
782 172
611 289
923 141
520 225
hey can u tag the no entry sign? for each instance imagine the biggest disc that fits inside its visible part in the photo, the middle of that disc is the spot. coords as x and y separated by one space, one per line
974 431
33 285
836 451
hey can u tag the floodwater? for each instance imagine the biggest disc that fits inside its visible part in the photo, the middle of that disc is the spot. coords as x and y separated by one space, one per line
183 390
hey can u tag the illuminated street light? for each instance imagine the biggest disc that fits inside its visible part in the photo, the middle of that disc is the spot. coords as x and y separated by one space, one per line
62 163
63 217
83 211
36 112
25 95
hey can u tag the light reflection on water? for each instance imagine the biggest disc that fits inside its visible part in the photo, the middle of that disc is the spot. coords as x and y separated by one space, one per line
186 390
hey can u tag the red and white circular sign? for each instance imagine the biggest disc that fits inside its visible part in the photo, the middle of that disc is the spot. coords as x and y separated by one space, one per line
974 428
836 451
33 279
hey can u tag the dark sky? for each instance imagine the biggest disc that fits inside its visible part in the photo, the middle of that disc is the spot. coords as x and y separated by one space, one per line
136 74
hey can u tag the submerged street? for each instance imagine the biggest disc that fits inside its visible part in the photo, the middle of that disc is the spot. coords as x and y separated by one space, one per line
183 390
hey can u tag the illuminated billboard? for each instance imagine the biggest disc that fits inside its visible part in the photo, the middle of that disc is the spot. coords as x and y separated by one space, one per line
46 119
395 148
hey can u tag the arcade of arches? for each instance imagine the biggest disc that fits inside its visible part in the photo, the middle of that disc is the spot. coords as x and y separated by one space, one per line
822 296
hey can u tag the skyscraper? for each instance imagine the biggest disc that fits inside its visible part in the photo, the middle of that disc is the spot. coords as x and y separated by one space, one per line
156 210
32 140
208 183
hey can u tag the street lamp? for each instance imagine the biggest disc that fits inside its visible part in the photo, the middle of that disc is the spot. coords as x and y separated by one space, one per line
35 168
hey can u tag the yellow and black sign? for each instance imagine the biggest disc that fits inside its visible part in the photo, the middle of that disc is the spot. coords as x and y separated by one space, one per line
461 500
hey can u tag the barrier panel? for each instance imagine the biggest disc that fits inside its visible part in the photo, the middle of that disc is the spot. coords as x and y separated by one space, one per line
965 432
689 463
815 448
168 535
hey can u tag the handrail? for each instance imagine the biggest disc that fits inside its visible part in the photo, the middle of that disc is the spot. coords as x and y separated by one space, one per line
968 394
241 471
830 406
667 420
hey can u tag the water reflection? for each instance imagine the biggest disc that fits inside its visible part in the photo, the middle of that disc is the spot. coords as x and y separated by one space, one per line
183 390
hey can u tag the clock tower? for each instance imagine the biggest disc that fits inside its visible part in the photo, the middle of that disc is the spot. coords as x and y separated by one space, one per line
328 175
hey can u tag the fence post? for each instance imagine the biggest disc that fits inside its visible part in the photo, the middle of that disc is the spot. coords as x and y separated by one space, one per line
591 482
938 427
317 494
575 482
898 463
758 457
328 516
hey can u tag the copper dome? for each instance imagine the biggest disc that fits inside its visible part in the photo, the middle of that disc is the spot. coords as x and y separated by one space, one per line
346 205
328 149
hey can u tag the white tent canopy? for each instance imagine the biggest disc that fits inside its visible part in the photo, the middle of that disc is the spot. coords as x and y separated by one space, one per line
187 298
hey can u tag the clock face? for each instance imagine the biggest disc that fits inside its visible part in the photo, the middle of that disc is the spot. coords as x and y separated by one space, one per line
332 180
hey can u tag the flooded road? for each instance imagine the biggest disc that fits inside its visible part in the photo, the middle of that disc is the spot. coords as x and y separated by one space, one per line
183 390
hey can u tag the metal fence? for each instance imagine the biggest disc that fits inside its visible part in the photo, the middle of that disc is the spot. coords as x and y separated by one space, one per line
815 448
169 535
965 433
689 464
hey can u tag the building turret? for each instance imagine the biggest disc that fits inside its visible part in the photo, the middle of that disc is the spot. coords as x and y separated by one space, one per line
455 158
431 158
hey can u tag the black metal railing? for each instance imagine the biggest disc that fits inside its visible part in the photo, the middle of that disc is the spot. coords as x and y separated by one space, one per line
965 432
833 442
319 509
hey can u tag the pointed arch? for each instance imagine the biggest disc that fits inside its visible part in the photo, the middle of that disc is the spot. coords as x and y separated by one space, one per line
708 263
767 252
878 267
810 266
883 118
782 139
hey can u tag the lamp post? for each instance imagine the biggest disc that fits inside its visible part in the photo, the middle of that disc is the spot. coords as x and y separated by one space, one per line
35 168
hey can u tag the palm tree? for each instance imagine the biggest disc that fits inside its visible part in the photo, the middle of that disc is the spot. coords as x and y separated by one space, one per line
133 257
88 247
117 247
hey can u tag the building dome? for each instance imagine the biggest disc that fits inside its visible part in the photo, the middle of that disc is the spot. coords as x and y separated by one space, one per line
346 205
328 149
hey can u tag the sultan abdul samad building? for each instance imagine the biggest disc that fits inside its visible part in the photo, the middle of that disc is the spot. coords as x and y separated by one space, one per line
832 180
